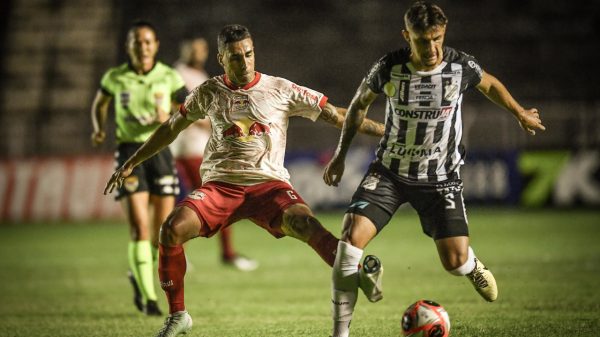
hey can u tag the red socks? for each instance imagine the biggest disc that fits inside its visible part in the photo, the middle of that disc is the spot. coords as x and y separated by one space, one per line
325 244
171 271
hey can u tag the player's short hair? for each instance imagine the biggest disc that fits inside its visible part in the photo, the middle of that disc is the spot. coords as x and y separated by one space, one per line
232 33
423 15
137 24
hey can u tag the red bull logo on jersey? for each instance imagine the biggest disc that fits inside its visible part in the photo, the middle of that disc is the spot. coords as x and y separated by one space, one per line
239 131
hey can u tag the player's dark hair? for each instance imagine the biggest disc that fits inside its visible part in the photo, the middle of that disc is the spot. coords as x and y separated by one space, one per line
137 24
232 33
423 15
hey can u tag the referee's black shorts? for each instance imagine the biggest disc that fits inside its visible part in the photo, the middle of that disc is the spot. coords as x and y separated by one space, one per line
156 175
440 205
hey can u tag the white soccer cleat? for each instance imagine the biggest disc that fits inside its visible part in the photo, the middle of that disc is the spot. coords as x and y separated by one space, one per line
242 263
178 323
370 278
483 281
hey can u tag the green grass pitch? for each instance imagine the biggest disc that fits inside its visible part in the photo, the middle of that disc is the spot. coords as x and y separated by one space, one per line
69 280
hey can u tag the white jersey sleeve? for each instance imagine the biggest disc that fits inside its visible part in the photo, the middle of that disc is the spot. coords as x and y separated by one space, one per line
305 102
197 103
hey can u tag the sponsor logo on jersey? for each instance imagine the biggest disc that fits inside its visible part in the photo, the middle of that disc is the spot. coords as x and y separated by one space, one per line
402 94
424 98
442 113
400 150
425 86
305 92
475 66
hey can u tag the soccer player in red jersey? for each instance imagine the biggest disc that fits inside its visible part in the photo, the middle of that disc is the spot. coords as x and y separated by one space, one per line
188 148
242 172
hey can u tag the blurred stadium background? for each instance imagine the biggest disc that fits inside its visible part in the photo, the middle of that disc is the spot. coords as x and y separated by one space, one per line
54 52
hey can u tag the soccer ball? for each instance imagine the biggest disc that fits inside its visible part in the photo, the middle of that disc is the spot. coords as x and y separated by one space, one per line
425 318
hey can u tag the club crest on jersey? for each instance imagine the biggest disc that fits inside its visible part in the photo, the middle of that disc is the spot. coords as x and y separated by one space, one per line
131 183
451 91
197 195
240 103
370 182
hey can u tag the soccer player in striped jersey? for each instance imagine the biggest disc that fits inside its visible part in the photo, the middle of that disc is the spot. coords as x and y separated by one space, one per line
419 157
242 171
145 92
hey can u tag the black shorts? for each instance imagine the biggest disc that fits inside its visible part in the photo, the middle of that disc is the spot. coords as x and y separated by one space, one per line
440 205
156 175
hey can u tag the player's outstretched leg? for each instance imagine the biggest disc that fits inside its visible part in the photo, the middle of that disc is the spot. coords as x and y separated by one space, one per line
370 277
181 225
479 275
344 290
177 323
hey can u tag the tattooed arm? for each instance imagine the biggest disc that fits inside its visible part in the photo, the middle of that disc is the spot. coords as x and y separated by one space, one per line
353 122
336 115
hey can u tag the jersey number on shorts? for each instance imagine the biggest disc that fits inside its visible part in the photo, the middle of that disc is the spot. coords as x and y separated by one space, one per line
450 203
292 194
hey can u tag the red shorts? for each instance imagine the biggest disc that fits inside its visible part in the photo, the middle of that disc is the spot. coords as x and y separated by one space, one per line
219 205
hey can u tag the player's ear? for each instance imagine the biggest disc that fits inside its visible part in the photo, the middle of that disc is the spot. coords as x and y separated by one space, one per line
220 59
406 35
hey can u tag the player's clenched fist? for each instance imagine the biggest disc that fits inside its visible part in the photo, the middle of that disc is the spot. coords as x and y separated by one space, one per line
116 180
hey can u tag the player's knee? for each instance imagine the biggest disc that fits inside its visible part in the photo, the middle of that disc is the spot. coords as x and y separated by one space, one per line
170 231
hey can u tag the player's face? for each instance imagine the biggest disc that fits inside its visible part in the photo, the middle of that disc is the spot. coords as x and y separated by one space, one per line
237 60
142 46
426 46
199 51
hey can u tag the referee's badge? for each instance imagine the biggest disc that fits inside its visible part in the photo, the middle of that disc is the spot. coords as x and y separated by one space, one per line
389 89
370 182
131 183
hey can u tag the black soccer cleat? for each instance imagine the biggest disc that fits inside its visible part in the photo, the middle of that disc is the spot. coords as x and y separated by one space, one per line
151 309
137 294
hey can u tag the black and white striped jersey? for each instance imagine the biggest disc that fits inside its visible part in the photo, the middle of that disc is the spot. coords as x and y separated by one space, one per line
423 126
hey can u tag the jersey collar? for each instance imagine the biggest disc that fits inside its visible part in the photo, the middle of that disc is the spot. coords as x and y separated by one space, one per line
249 85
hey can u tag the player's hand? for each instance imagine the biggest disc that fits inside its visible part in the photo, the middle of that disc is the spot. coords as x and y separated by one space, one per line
98 137
334 171
116 180
529 119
